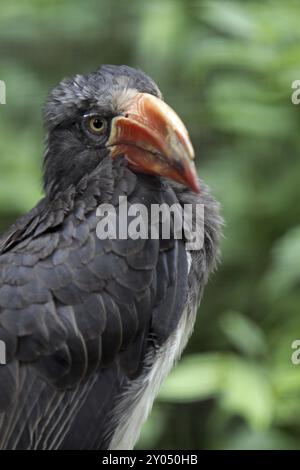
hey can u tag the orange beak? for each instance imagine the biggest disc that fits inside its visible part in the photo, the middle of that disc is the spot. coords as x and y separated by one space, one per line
154 140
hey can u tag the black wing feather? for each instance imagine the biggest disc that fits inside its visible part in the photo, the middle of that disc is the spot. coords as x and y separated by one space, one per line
77 312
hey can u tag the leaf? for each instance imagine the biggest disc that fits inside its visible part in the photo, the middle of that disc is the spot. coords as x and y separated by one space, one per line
196 377
243 333
247 393
284 273
241 387
230 17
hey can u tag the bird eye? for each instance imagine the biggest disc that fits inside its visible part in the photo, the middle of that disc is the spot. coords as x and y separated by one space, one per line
97 125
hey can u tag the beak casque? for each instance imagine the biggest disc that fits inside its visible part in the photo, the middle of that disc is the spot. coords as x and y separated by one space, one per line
154 140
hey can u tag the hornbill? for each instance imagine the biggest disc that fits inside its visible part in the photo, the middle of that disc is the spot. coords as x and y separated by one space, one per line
93 325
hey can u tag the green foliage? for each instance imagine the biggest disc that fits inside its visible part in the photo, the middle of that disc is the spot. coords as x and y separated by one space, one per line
227 67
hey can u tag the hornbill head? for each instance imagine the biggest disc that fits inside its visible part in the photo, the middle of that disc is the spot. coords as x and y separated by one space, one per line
116 111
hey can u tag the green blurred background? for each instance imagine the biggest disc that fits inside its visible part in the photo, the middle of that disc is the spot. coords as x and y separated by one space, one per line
227 68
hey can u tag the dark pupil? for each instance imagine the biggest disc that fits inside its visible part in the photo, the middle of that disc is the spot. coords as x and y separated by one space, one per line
97 123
